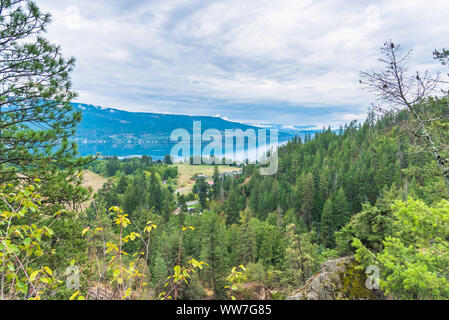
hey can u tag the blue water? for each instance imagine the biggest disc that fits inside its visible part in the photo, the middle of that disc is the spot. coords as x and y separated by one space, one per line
157 151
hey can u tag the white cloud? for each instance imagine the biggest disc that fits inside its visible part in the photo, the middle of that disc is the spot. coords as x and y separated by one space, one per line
73 18
206 57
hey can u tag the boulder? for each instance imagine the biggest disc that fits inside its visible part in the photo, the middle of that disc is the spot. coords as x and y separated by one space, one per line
252 291
337 279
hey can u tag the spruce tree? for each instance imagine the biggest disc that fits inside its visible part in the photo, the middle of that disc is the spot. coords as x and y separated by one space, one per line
247 239
217 183
307 197
232 206
213 251
342 212
327 223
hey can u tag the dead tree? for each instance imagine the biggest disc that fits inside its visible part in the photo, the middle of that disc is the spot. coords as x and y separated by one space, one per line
397 89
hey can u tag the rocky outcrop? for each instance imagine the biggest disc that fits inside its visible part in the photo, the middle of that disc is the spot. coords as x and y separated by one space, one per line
337 279
252 291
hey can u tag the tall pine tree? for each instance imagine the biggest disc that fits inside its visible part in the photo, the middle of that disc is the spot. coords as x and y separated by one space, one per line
37 120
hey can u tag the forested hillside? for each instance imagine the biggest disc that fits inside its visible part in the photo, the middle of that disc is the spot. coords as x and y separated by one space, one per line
332 195
365 206
105 124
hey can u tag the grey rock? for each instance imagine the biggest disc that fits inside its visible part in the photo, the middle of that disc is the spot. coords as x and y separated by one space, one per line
337 280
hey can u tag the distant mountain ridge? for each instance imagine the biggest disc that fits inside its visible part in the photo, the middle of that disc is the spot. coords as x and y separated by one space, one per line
103 123
111 131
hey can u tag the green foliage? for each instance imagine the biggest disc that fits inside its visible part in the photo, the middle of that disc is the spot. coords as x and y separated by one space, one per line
246 245
370 226
113 166
143 190
256 272
201 189
414 259
327 223
233 205
329 191
442 56
181 275
301 256
217 183
167 159
235 280
37 120
213 235
116 268
22 272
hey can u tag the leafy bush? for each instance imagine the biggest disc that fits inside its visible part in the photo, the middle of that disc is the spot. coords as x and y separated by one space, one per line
415 257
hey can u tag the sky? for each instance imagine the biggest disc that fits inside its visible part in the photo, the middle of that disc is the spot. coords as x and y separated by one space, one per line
290 62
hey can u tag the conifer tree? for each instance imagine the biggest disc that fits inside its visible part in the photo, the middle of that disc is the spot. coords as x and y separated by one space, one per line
213 251
341 210
247 239
327 223
217 183
232 207
400 89
307 191
37 120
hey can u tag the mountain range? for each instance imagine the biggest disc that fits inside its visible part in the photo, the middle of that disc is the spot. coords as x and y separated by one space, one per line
116 132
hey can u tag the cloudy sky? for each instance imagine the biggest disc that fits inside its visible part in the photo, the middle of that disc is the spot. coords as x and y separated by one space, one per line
293 62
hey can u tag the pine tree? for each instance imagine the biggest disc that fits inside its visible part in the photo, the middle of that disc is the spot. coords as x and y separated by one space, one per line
37 119
301 255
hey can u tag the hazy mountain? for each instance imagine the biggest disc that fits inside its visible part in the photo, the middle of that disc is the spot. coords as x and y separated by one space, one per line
99 122
123 133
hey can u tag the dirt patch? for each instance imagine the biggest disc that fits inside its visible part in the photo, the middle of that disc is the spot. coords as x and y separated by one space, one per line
94 181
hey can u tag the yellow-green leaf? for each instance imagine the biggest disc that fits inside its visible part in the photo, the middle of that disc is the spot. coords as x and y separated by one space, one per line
34 275
74 295
85 231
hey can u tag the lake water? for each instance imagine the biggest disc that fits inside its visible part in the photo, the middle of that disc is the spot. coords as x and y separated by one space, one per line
159 150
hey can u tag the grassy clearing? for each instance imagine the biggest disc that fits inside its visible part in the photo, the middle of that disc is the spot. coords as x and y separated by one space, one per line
186 172
92 180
